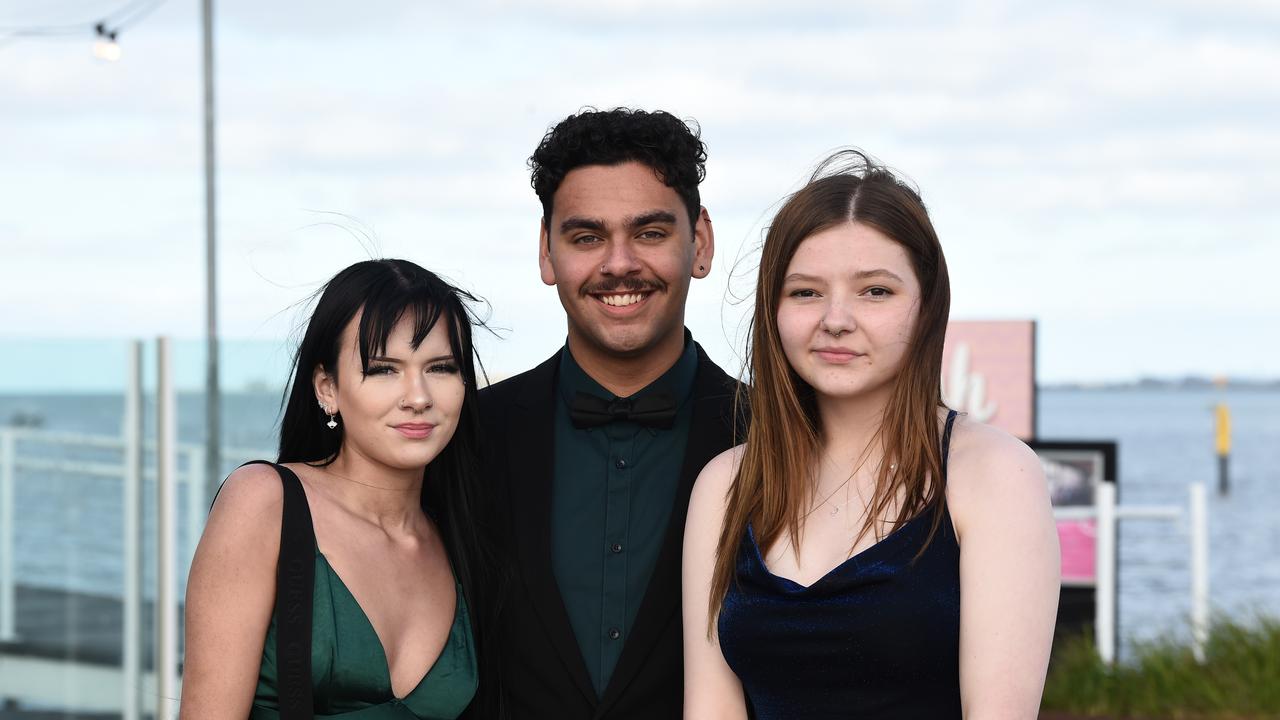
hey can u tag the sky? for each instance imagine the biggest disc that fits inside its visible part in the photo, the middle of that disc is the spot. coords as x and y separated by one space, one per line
1108 169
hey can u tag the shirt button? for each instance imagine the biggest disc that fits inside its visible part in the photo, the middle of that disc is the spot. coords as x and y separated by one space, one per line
620 464
614 633
616 547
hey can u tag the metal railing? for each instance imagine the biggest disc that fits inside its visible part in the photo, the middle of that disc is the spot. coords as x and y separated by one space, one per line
1108 515
122 458
189 471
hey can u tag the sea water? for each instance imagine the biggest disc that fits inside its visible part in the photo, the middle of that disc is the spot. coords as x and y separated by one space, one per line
68 525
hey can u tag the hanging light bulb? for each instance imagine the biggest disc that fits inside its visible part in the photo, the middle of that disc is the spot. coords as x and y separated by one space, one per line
106 47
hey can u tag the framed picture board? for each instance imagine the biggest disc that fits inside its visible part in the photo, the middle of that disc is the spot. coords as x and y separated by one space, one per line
1074 470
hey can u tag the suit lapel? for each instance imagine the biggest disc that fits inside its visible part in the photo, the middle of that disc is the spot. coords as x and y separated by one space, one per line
710 433
530 471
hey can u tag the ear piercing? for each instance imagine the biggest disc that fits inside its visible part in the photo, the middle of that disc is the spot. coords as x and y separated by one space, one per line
332 424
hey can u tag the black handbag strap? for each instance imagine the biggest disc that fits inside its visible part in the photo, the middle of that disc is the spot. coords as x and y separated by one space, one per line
295 582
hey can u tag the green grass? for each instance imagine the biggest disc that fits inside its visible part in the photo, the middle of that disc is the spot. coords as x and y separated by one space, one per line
1239 679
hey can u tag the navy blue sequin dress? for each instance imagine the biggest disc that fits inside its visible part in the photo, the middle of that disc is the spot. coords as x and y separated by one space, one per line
877 637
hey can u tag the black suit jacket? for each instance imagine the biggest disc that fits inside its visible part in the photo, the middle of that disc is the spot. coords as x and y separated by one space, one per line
541 668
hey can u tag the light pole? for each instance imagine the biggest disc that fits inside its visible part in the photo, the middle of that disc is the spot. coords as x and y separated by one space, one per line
213 403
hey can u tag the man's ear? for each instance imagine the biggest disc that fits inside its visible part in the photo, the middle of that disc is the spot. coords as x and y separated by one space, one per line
704 245
326 389
544 254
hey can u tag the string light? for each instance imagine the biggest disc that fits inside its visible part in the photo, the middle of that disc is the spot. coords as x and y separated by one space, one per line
106 30
106 47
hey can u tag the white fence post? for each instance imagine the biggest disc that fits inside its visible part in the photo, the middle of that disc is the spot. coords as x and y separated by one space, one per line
8 596
1199 570
1105 595
131 655
166 613
1107 514
195 510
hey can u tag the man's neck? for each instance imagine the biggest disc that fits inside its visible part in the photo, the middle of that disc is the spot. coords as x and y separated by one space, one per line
626 375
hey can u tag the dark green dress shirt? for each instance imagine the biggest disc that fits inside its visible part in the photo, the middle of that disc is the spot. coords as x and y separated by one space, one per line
611 497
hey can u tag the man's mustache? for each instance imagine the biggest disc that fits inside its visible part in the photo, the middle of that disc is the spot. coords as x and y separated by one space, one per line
613 285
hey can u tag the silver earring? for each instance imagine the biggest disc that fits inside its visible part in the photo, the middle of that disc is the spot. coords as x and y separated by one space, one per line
332 423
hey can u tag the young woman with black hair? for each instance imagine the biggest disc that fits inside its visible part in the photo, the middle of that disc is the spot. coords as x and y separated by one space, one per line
379 434
865 553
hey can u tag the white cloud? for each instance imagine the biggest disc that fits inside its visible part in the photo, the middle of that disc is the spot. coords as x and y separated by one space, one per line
1104 160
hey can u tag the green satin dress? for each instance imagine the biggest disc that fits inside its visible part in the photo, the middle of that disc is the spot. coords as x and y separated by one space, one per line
349 667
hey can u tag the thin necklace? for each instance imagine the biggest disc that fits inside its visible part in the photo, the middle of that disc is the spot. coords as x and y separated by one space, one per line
327 471
826 500
835 508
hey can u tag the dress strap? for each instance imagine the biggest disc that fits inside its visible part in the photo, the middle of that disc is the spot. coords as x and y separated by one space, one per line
946 441
295 583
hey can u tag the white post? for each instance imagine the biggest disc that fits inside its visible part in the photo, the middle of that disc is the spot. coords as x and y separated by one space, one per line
8 596
1199 570
166 613
1105 594
131 657
195 504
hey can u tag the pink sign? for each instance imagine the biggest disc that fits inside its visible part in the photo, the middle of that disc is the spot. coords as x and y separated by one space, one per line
1073 471
1077 539
989 372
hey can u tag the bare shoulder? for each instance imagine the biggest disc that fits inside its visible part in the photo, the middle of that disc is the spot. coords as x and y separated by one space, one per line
716 478
704 522
978 444
988 467
248 506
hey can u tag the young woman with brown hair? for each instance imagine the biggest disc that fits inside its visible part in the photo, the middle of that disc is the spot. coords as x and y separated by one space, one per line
865 553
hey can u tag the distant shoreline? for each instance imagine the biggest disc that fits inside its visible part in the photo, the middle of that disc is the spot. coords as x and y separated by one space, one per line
1187 383
1193 383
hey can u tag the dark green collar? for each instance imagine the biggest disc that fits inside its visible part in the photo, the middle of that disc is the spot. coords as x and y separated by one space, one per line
677 381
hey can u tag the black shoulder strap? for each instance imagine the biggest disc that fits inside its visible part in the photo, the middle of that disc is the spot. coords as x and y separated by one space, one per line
295 581
946 441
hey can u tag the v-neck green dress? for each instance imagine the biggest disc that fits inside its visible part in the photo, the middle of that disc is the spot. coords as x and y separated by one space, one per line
349 670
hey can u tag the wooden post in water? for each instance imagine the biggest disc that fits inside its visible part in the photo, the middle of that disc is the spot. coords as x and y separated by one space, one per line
1222 443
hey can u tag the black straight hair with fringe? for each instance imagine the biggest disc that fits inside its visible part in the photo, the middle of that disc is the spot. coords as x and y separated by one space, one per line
382 292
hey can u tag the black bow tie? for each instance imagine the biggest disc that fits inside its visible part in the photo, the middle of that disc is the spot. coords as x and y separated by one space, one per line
657 410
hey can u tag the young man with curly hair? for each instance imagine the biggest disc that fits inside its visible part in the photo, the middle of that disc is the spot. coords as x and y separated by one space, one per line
592 454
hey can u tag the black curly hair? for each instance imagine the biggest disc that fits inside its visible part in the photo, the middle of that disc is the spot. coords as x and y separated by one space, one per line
658 139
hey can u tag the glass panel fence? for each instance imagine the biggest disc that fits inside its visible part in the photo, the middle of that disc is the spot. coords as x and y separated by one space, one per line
78 510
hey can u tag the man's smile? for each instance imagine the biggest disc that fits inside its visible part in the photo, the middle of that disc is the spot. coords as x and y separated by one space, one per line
622 299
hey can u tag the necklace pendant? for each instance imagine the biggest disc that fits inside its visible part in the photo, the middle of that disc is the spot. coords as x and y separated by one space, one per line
835 509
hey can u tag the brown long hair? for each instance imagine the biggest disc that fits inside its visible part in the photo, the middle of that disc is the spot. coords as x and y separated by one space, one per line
772 489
